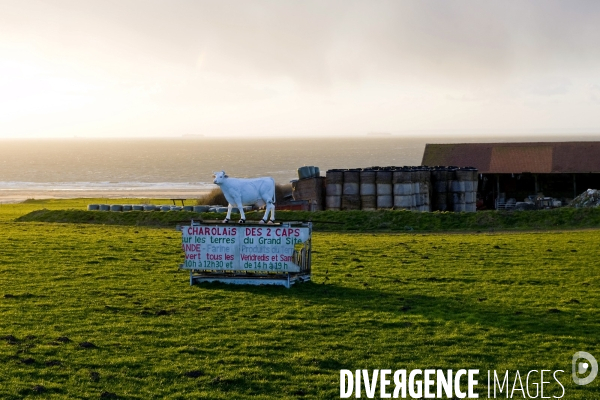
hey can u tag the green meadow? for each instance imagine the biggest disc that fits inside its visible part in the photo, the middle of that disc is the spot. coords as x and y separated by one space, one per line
90 311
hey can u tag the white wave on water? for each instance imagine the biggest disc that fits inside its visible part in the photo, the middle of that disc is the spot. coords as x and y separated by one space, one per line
105 186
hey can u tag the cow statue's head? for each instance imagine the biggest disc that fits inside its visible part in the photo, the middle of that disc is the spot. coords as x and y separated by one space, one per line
219 177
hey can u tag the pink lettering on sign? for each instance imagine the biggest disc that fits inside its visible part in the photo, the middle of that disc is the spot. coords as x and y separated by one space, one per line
212 230
191 247
254 257
287 232
253 231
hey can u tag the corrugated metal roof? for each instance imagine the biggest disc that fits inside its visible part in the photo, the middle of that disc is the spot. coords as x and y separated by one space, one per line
506 158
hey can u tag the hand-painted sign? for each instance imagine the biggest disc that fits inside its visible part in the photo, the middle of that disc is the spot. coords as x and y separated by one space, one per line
240 248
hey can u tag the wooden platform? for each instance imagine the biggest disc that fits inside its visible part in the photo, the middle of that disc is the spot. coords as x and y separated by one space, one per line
286 280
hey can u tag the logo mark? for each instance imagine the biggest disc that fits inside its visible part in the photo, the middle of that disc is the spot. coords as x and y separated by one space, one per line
584 366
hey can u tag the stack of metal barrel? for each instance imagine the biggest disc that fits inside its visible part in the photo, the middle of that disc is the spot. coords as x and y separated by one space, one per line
402 188
334 183
454 189
368 189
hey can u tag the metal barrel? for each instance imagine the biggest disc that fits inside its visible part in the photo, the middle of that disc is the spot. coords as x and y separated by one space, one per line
403 189
351 184
403 202
403 175
303 172
127 207
93 207
471 190
458 198
422 188
470 197
150 207
463 174
440 202
368 189
457 186
333 203
385 201
426 189
351 190
469 186
137 207
439 179
439 188
385 196
368 186
116 207
451 188
460 207
334 182
417 199
351 202
201 209
104 207
368 203
460 179
165 208
188 208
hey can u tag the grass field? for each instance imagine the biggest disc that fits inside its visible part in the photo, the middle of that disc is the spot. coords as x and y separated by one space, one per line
101 311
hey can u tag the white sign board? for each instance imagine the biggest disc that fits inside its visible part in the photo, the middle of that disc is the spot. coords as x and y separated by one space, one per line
240 248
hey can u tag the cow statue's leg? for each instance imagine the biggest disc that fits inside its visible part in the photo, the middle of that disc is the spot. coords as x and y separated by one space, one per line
269 207
264 219
228 217
240 207
272 212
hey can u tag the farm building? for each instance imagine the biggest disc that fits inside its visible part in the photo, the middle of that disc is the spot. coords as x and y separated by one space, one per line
514 172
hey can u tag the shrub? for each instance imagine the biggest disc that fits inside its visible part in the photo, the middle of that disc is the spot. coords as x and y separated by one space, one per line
282 190
213 198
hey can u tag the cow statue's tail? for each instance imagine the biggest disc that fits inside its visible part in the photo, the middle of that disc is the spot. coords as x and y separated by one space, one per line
272 219
274 191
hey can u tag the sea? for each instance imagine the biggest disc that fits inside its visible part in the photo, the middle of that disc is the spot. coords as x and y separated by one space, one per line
183 167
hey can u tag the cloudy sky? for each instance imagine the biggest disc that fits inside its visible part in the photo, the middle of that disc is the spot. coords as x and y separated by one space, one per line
221 68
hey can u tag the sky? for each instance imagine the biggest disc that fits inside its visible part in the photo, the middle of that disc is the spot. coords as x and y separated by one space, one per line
137 68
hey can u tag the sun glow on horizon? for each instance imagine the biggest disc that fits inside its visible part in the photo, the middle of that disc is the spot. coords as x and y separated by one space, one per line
104 69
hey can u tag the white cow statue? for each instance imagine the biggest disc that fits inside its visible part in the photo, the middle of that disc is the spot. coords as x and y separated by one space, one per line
245 192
